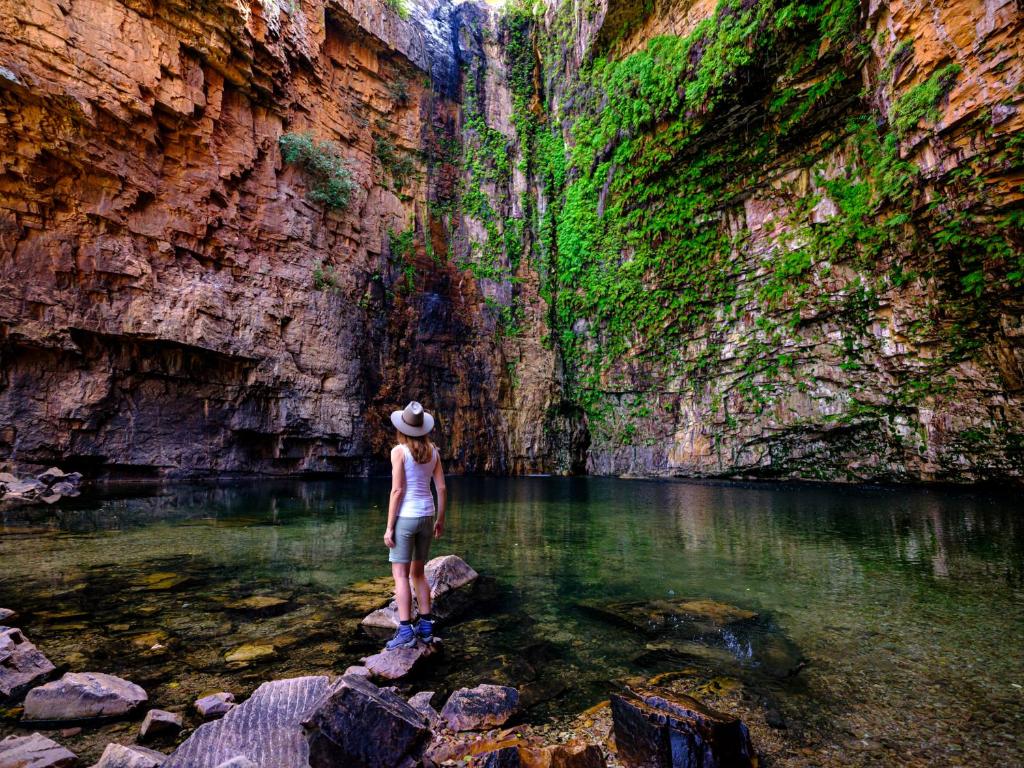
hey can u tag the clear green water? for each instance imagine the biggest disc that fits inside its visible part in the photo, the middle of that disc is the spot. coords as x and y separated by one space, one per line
908 606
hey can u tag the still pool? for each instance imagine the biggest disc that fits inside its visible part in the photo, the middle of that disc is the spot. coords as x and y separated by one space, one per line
904 608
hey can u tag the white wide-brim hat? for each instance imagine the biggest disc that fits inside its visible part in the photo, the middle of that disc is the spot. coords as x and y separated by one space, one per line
413 421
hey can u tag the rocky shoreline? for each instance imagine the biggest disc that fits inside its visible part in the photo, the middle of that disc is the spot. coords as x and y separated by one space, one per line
47 487
359 718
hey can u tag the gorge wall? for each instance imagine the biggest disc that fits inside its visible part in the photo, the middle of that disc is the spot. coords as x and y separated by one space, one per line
757 239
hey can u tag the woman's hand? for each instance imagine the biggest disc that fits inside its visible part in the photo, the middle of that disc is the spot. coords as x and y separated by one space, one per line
389 538
438 529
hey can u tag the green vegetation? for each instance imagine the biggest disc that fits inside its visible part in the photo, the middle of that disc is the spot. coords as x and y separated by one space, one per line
330 180
401 7
325 278
398 165
402 246
921 101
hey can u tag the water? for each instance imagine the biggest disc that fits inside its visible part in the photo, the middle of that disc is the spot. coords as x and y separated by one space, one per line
905 605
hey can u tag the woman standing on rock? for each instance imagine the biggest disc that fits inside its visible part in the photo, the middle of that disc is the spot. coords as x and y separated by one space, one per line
411 523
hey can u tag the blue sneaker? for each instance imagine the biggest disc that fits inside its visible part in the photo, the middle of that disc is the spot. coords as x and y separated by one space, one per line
405 637
425 630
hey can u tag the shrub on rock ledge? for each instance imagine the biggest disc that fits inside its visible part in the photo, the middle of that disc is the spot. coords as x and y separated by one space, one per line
330 179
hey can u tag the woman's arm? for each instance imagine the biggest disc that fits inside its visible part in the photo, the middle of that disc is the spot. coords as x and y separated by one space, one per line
442 497
397 492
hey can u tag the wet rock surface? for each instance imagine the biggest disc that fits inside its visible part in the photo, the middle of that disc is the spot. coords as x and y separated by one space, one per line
130 756
400 662
359 724
485 706
215 705
34 751
83 695
22 665
651 730
265 728
451 581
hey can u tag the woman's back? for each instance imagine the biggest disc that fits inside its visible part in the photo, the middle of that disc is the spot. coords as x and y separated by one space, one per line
417 501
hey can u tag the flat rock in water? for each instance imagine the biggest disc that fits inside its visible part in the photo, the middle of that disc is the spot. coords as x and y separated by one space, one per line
83 695
215 705
396 664
35 751
259 604
486 706
248 653
159 722
130 756
656 616
358 724
447 576
22 665
163 582
653 730
264 729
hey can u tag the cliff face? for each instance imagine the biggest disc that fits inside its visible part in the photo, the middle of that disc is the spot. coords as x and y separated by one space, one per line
768 239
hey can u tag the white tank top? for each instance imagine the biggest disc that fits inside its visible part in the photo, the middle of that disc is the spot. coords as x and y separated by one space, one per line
417 501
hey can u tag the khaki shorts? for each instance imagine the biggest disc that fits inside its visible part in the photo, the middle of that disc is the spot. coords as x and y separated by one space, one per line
412 539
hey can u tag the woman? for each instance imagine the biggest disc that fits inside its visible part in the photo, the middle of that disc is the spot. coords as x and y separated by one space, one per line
414 461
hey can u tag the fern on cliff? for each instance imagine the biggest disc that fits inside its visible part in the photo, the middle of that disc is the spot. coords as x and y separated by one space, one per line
330 179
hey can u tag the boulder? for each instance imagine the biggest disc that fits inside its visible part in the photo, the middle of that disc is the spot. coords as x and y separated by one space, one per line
651 730
35 751
359 671
362 726
22 665
159 722
215 705
397 663
82 695
65 488
7 478
6 613
504 757
451 581
25 488
130 756
486 706
50 476
264 729
574 755
421 703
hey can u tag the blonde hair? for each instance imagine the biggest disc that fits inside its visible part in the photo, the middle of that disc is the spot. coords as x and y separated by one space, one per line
421 448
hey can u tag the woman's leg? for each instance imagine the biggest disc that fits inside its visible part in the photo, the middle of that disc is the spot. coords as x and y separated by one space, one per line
402 594
419 581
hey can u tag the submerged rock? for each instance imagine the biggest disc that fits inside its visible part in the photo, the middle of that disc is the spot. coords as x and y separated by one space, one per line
486 706
657 616
359 724
22 665
130 756
215 705
264 729
397 663
260 605
651 730
159 722
83 695
451 580
35 751
248 653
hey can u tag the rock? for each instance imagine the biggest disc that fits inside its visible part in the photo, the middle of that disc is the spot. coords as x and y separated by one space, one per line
50 476
248 653
22 665
505 757
651 730
65 489
238 762
421 703
396 664
215 705
574 755
25 488
7 478
163 582
130 756
486 706
357 724
265 728
657 616
450 579
35 751
359 671
50 497
159 722
5 615
259 605
82 695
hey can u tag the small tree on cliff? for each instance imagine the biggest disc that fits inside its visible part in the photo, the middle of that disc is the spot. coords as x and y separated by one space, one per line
330 179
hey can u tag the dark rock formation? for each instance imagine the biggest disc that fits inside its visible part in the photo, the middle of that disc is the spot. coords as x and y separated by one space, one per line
22 665
83 695
655 732
130 756
485 706
360 725
265 728
35 751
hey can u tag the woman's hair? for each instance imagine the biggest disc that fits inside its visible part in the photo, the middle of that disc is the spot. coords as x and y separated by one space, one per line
420 447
